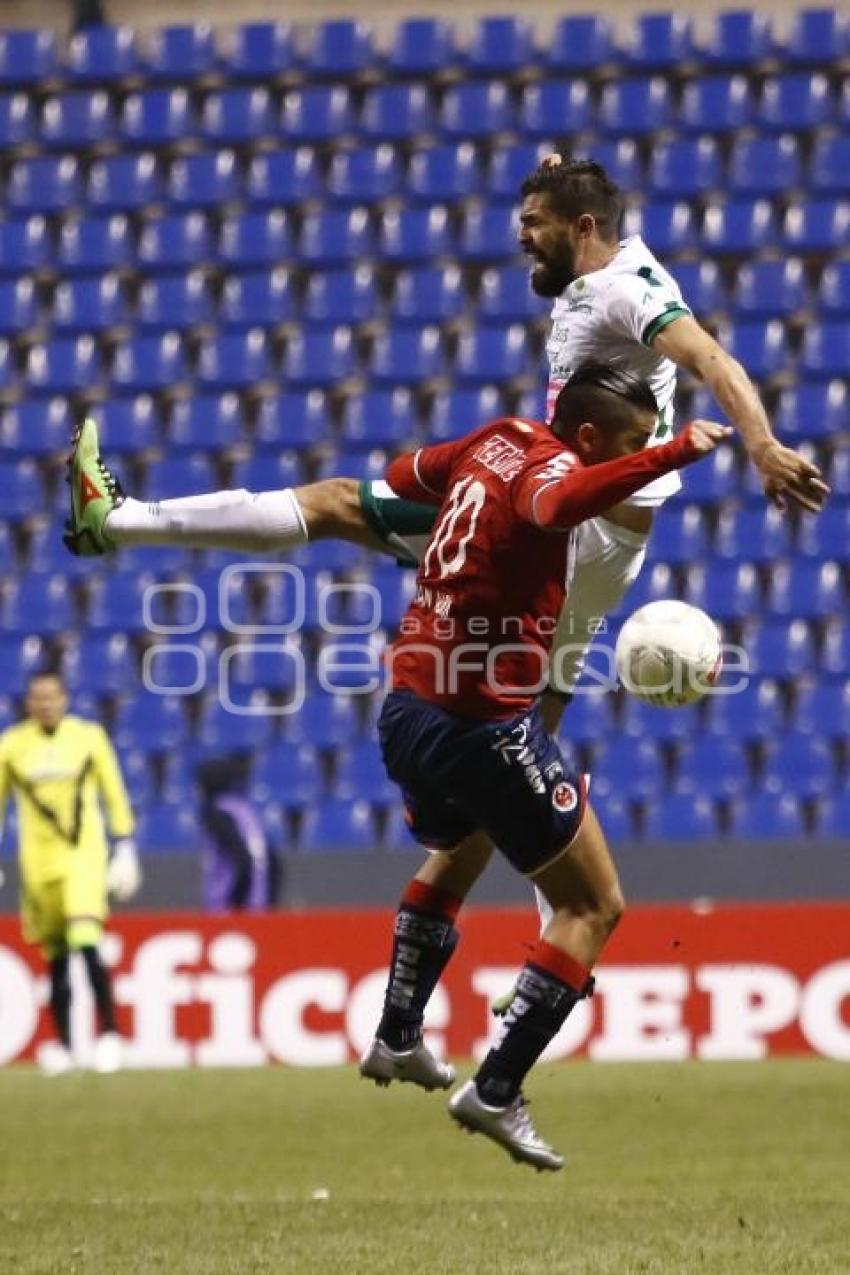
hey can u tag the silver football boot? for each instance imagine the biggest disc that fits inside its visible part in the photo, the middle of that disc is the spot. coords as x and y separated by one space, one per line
510 1126
416 1066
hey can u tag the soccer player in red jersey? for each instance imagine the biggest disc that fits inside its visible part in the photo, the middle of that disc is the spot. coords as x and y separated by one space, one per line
461 730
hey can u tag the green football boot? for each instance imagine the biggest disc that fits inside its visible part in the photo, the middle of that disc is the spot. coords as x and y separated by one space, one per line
95 492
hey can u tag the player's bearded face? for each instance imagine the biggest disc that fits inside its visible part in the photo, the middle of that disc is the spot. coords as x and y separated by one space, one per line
545 238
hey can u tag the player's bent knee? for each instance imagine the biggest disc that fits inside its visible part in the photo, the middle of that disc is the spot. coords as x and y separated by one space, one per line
611 908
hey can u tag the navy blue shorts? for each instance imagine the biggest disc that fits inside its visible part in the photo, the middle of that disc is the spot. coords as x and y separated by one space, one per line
458 776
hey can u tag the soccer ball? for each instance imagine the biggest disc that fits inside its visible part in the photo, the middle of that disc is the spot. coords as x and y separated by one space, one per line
669 653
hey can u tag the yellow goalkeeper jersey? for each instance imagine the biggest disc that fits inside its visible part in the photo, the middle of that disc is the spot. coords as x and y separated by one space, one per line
57 780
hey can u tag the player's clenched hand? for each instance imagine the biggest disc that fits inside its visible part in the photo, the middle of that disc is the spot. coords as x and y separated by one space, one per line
788 476
704 436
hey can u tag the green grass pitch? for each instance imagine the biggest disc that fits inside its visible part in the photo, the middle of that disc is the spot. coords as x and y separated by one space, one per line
693 1169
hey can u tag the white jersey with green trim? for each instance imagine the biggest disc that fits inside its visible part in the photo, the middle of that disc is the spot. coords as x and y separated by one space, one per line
611 316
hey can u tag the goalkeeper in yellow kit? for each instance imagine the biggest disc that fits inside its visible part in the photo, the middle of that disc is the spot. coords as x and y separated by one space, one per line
59 767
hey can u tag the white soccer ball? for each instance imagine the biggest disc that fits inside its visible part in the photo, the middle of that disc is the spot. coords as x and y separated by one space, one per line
669 653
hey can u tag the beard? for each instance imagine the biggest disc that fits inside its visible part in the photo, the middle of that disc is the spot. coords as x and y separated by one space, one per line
549 278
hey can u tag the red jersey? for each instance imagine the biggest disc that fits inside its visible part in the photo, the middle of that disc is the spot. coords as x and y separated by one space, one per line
492 581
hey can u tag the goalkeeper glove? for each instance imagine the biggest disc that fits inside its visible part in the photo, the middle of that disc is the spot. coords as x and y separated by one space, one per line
123 873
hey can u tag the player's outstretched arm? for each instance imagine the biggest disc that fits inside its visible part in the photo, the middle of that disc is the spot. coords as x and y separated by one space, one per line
785 474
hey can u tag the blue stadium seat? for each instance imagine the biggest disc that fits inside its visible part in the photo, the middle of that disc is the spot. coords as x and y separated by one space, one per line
618 821
290 774
19 308
817 37
205 180
822 709
554 109
325 721
716 765
396 112
341 47
669 227
147 364
364 175
681 817
233 361
8 371
531 404
580 44
405 356
18 657
800 764
254 239
397 589
739 38
442 173
505 296
64 365
685 536
760 346
38 604
171 476
655 582
820 225
298 418
317 113
266 473
660 41
739 226
750 533
834 291
361 776
335 237
234 116
166 827
221 730
510 164
765 165
482 350
379 418
74 120
635 107
811 590
799 101
826 350
24 245
771 288
647 721
589 717
420 46
716 104
753 712
208 422
702 286
778 649
128 425
337 825
397 835
619 156
685 167
500 46
726 590
488 233
180 53
833 818
323 359
838 472
766 816
90 304
259 51
625 767
476 109
153 723
36 427
101 54
124 183
428 295
829 170
828 535
17 120
20 488
138 778
157 117
408 236
835 656
458 411
174 301
103 664
342 296
258 299
27 57
90 245
283 177
175 240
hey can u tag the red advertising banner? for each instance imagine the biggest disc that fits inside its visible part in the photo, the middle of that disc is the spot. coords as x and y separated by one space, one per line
725 982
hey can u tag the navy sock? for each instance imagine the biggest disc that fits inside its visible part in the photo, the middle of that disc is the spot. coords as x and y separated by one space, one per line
550 985
101 987
423 942
60 998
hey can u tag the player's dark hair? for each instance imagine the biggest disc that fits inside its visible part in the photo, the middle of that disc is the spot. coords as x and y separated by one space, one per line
577 186
607 396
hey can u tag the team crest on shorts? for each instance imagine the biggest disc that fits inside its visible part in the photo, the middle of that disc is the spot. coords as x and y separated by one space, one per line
564 798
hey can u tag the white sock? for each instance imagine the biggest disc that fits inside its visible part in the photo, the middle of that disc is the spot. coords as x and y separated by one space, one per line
254 522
